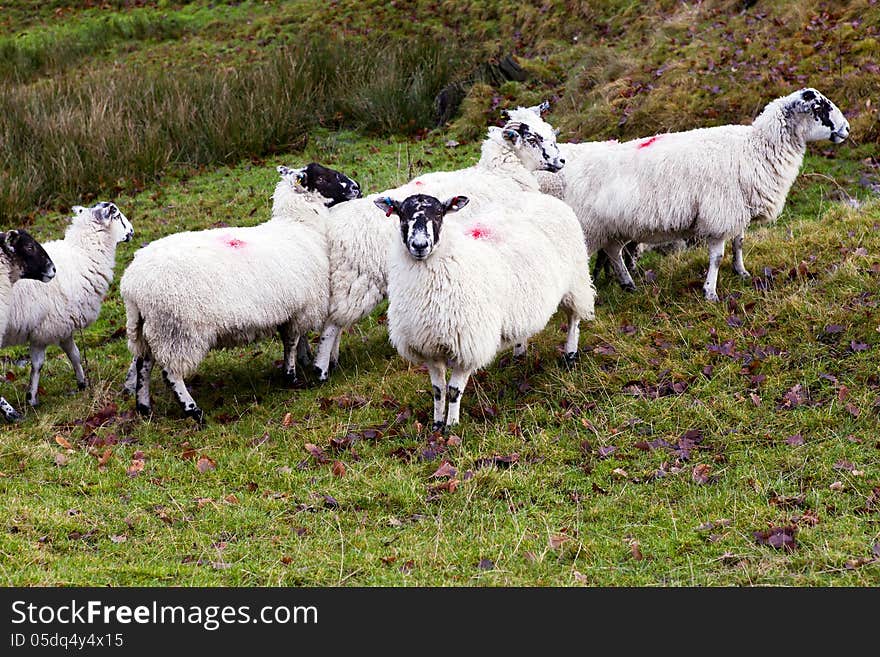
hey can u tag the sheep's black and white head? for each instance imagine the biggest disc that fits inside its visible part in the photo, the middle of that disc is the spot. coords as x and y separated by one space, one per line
421 219
533 140
25 257
820 118
334 186
106 215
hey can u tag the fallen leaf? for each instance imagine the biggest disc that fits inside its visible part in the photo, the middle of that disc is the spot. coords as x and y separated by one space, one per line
777 537
445 470
338 469
557 540
205 464
136 466
61 459
620 473
287 420
486 564
837 485
580 577
261 440
701 473
795 440
61 440
635 550
316 452
231 499
121 538
102 462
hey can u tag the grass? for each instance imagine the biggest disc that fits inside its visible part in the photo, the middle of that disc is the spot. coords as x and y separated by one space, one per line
563 477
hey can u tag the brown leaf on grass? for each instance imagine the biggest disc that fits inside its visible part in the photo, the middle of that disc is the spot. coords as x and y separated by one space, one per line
287 420
787 501
259 440
843 464
119 538
605 452
316 452
135 468
61 459
808 517
205 464
188 452
853 410
636 550
61 440
286 560
580 577
486 564
780 538
701 474
794 397
795 440
338 469
330 502
102 461
836 486
231 499
453 441
163 515
445 470
557 540
620 473
388 560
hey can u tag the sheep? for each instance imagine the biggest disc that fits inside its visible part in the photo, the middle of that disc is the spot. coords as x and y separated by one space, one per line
191 292
358 240
464 290
21 258
707 183
42 315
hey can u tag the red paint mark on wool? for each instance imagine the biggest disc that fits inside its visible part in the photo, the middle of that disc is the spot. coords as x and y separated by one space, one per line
418 182
479 232
648 142
232 242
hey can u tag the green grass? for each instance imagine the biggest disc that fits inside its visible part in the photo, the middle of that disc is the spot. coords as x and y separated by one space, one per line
593 497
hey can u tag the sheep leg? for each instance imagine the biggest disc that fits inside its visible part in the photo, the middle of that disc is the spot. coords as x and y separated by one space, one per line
716 255
130 385
304 352
615 255
329 337
187 403
572 338
143 366
290 340
520 348
38 357
739 266
457 381
9 413
70 348
334 357
601 265
437 372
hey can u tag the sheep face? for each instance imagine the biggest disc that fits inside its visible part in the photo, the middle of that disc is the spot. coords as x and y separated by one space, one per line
27 258
532 139
108 216
822 118
334 186
421 218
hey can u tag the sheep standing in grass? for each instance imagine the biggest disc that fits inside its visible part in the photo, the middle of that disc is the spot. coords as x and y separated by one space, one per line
21 258
191 292
358 238
461 291
42 315
707 183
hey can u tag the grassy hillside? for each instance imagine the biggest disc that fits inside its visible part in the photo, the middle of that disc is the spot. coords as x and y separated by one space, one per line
694 444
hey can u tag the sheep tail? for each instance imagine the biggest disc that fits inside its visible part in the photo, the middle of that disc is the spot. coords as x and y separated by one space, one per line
134 328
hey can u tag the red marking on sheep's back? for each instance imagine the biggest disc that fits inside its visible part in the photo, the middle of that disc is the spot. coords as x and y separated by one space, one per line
479 232
648 142
419 182
233 243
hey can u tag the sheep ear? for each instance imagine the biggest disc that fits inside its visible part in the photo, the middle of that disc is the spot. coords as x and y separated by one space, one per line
541 109
9 240
387 204
456 203
77 209
555 132
282 170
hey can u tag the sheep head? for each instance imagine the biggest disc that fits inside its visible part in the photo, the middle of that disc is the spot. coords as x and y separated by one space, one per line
334 186
530 137
108 217
26 257
421 219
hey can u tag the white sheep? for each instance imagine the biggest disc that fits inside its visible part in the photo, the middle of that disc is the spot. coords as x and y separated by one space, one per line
21 258
707 183
461 291
42 315
191 292
358 238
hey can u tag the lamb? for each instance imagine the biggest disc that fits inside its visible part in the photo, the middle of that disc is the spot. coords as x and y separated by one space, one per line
191 292
358 239
43 315
493 280
707 183
21 258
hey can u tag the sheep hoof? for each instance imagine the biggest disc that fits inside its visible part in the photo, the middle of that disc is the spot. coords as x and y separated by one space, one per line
439 425
81 385
196 414
33 400
291 379
11 415
322 375
743 274
628 287
570 358
712 296
143 409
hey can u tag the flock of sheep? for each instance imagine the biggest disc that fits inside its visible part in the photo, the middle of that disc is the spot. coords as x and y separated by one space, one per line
478 261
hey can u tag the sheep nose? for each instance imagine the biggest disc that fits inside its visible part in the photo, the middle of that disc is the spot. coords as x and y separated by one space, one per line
561 160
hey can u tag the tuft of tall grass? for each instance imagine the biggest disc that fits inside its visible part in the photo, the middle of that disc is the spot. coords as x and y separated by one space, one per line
71 138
